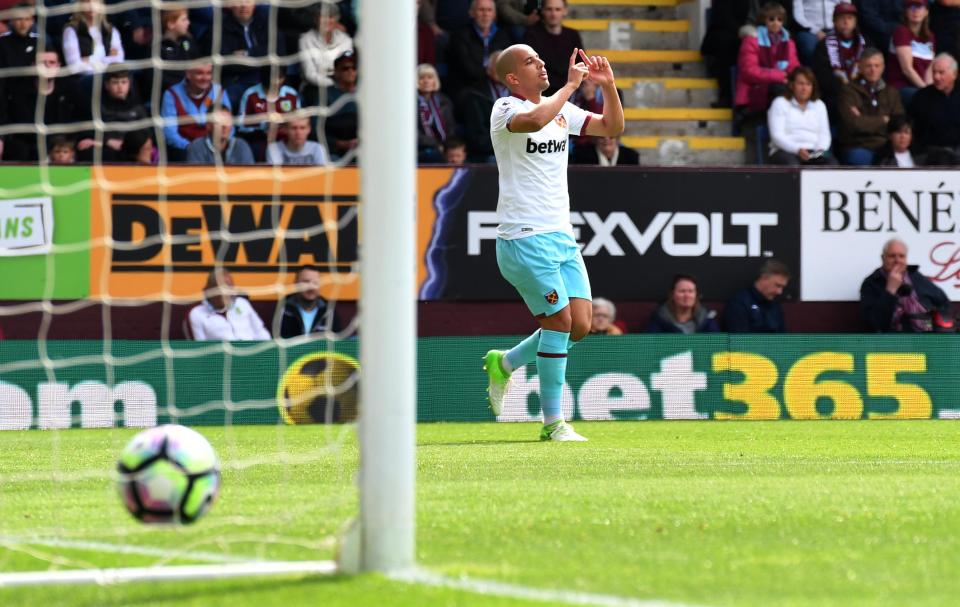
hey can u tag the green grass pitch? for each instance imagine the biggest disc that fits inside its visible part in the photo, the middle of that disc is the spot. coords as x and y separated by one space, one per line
692 513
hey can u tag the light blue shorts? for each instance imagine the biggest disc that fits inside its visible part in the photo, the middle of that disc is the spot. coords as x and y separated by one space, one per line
546 269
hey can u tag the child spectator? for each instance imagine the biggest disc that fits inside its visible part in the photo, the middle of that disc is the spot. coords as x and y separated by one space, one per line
296 149
835 61
138 148
62 151
911 51
177 44
118 104
435 113
455 151
260 104
319 48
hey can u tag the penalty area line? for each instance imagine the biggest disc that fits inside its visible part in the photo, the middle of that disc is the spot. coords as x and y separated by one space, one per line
516 591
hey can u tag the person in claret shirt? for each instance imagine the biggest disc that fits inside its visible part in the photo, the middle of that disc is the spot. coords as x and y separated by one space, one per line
837 56
259 107
910 64
193 97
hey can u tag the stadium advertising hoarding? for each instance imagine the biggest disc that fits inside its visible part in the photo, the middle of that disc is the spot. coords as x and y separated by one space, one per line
638 377
636 229
169 228
35 220
847 216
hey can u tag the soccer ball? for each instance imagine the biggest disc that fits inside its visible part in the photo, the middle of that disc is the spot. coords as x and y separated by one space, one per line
319 388
168 474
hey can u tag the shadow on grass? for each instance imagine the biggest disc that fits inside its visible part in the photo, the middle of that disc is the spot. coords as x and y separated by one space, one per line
478 442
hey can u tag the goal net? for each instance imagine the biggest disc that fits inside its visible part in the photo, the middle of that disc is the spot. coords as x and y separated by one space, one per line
164 262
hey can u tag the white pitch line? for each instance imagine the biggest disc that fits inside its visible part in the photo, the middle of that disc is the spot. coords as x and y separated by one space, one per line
208 557
515 591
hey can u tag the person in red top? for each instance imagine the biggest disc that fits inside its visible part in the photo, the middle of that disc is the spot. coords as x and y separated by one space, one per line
911 51
269 98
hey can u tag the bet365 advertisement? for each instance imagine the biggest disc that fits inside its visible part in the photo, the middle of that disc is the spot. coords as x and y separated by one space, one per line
633 377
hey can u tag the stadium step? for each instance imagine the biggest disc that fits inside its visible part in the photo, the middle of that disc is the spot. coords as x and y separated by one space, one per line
632 33
667 92
678 121
654 63
624 9
688 150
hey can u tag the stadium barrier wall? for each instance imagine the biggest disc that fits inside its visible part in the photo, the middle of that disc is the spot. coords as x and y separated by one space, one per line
155 233
642 377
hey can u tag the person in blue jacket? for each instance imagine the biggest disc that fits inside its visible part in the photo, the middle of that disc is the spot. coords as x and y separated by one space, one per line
682 312
756 309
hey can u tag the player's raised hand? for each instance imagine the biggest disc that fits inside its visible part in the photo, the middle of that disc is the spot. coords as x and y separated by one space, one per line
598 67
577 71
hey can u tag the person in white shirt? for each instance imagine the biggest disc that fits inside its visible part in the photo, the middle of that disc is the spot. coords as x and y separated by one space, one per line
536 250
297 149
222 316
319 48
798 123
90 43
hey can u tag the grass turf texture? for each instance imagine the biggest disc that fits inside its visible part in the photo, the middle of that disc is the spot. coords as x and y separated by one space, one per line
706 513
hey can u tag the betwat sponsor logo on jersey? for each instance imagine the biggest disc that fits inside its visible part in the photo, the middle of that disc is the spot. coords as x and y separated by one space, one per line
549 147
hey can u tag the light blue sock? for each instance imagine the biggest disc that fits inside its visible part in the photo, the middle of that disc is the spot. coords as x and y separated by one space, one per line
523 353
552 369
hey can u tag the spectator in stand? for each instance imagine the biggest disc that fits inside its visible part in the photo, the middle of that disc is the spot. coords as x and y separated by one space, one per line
897 152
119 103
476 105
897 297
177 44
721 44
866 107
935 110
306 312
427 32
341 127
766 57
190 101
798 123
262 105
90 43
813 18
297 149
470 48
878 19
682 312
319 48
219 146
836 59
455 151
911 51
590 98
62 150
18 48
604 317
222 315
516 16
605 152
245 33
452 15
435 120
59 107
756 308
553 41
138 148
944 21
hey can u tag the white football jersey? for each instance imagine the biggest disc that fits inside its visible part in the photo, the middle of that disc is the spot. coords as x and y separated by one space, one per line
533 169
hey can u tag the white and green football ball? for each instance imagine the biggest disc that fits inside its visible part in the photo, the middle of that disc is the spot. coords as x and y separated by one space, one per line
168 474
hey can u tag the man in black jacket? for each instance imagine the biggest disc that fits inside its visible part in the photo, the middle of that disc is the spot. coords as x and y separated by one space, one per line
470 48
306 312
756 309
935 110
896 297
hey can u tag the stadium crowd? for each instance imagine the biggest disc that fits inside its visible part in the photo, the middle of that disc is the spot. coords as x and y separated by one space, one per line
94 65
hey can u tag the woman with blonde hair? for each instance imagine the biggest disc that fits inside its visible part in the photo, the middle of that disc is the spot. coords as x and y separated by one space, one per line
435 115
90 43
